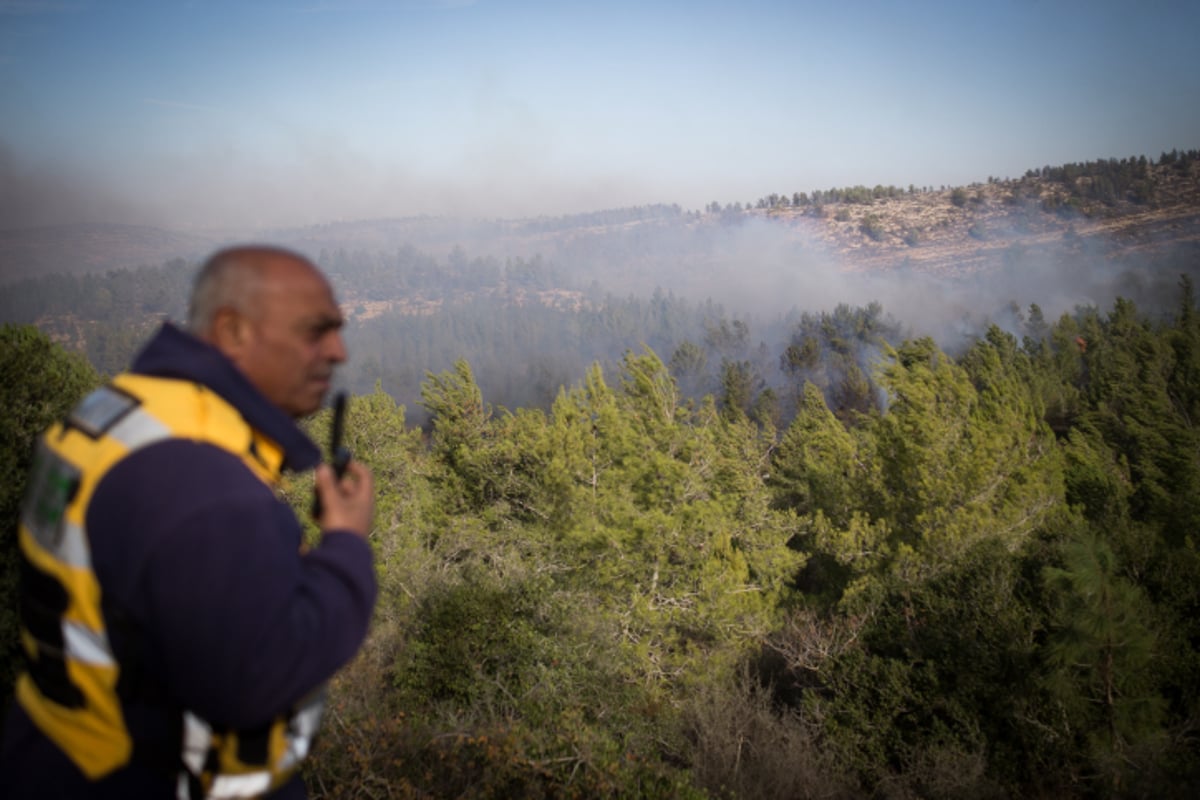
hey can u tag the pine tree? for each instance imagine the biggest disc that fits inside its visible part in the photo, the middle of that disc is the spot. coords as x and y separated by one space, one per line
816 463
963 452
459 421
1100 658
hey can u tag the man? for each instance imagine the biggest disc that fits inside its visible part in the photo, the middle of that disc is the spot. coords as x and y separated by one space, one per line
179 641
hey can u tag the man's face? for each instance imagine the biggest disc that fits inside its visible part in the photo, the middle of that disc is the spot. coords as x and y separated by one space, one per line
292 338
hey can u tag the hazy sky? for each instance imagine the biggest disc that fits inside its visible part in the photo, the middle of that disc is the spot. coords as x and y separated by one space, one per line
199 113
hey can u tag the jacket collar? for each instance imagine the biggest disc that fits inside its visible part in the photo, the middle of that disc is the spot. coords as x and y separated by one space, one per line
174 353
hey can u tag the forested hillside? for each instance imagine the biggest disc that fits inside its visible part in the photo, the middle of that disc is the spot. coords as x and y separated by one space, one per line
665 545
736 299
983 584
987 588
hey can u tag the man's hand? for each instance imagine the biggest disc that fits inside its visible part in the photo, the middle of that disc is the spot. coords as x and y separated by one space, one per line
347 504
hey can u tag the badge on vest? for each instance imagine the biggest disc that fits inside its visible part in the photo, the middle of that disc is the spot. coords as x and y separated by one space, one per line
101 410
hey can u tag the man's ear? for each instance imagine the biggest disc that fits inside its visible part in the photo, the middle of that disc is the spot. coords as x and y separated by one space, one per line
229 331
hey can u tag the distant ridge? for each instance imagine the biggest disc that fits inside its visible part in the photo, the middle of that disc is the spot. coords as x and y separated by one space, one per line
965 229
1130 205
93 247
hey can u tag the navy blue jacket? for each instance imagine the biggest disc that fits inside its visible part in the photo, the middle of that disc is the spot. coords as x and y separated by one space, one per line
222 614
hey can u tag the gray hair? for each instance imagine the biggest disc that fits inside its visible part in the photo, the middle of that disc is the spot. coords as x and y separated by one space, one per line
230 278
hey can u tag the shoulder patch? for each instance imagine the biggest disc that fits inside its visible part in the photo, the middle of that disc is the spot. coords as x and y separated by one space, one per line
101 410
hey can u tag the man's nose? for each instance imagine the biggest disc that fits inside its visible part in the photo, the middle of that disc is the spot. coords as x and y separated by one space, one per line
335 347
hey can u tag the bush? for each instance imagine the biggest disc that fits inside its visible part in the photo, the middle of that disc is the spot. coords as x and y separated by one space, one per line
872 227
742 746
474 642
39 383
380 756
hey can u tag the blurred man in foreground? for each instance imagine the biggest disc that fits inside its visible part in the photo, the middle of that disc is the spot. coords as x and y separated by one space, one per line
178 641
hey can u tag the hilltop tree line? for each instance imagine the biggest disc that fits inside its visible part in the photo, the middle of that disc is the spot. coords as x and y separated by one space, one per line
1104 181
1115 180
944 576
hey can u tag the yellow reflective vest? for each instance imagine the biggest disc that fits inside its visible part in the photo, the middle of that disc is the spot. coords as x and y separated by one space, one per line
69 688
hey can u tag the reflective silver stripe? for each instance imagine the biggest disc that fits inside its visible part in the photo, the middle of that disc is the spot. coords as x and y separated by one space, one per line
73 548
231 787
138 428
197 740
302 729
86 646
66 540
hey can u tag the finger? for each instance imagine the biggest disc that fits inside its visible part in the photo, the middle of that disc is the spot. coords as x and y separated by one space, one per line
357 472
323 476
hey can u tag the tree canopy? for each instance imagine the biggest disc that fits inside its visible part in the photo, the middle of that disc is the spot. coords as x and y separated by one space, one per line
935 575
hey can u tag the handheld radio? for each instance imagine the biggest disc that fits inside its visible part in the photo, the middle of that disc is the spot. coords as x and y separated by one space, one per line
339 454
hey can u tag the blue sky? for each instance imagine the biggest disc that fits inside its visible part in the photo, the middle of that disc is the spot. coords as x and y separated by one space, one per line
211 113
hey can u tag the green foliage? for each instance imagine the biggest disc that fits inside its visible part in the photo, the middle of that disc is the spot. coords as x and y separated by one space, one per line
380 754
688 366
908 574
1096 482
740 385
962 453
475 644
873 228
837 351
1057 355
855 194
459 420
39 383
1011 603
1100 661
815 464
674 521
1112 181
653 560
1131 369
927 695
898 573
677 541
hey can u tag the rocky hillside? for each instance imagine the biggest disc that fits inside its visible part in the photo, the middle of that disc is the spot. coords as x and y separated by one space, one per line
960 230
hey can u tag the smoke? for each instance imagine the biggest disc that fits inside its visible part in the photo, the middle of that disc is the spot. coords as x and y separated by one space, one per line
43 194
206 178
773 268
745 264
